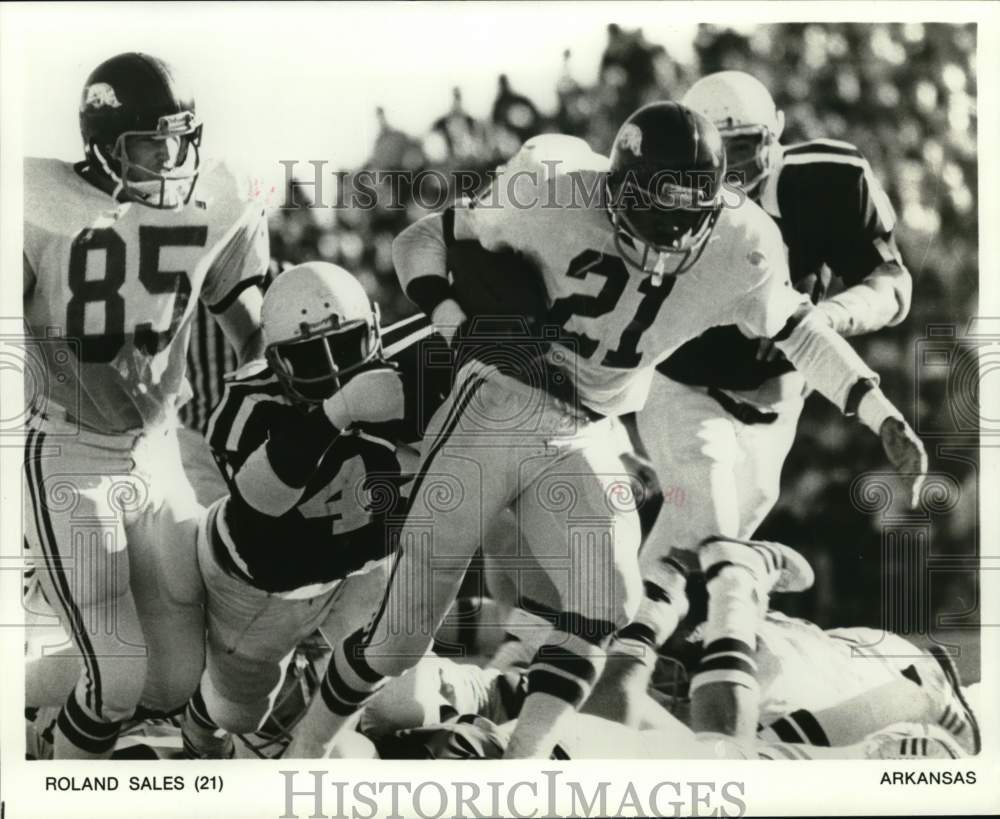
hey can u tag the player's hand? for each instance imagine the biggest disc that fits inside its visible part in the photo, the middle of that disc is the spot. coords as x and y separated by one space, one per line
374 396
906 453
447 317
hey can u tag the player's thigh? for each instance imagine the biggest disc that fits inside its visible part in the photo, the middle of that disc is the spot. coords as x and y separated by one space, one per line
470 472
579 523
74 513
250 642
691 442
472 456
200 467
74 506
166 582
242 619
355 600
163 538
763 449
515 577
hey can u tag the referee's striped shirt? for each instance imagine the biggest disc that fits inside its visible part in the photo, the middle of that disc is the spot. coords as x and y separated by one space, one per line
209 358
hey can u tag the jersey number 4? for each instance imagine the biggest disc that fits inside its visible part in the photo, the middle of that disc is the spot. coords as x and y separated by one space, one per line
626 355
103 347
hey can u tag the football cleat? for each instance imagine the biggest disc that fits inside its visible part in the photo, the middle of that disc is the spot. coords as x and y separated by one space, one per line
784 569
912 741
958 717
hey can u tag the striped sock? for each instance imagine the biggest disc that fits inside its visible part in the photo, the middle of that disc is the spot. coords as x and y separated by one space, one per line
571 659
349 681
733 575
727 660
663 607
798 727
87 734
559 681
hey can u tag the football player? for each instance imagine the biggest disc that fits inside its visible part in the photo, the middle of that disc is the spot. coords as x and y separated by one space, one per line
586 736
733 401
117 248
837 686
637 255
306 442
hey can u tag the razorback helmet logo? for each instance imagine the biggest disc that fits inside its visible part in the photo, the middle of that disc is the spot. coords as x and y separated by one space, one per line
630 138
100 95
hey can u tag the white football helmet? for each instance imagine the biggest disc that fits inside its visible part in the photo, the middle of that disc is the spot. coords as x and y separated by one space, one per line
319 328
749 122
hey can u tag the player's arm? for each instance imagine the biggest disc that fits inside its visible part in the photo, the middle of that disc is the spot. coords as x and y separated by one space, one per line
240 322
862 251
232 289
420 256
273 478
830 366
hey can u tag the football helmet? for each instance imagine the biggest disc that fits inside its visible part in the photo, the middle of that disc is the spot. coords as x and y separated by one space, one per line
749 122
137 96
319 329
664 187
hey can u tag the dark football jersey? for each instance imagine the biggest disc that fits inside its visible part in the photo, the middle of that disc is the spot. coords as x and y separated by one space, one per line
351 484
835 219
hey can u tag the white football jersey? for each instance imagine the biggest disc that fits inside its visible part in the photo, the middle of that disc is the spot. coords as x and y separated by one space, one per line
802 666
546 203
110 287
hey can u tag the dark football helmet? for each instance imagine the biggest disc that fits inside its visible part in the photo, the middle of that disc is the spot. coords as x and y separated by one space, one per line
139 96
664 187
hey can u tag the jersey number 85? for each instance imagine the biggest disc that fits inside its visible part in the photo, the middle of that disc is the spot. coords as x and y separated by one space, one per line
103 347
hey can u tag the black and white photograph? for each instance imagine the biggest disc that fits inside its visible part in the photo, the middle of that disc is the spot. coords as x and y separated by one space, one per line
603 392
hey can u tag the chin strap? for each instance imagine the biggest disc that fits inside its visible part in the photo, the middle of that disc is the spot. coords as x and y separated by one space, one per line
106 168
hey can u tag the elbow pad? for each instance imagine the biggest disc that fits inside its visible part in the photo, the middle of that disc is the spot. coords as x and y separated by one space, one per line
868 306
420 255
262 489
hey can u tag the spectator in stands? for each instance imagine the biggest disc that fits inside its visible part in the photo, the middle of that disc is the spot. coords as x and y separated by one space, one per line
463 138
515 114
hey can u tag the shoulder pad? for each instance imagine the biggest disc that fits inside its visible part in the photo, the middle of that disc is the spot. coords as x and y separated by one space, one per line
571 153
45 182
222 183
822 146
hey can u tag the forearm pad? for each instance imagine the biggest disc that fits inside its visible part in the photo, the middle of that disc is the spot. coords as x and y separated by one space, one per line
827 362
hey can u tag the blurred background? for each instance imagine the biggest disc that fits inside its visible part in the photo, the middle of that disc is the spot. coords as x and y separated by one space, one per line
906 96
